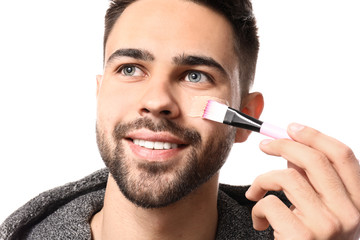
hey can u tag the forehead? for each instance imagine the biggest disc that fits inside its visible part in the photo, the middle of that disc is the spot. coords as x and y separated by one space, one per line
172 27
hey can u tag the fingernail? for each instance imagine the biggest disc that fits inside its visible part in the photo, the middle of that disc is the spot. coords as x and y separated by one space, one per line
295 127
266 141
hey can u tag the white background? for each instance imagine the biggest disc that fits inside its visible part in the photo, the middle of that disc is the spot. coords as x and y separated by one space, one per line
50 52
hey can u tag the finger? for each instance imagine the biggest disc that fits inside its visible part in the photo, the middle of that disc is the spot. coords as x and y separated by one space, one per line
303 197
271 210
340 155
290 181
322 176
316 166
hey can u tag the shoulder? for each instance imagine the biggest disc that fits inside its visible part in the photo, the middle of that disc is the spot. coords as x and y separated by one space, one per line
52 207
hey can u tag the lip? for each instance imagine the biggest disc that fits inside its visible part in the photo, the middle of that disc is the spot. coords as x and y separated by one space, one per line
148 135
152 155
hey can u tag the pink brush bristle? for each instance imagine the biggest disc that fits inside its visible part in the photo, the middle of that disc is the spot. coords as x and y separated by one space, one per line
208 108
215 111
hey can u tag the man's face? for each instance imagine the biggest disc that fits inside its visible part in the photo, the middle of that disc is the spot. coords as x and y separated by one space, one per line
159 55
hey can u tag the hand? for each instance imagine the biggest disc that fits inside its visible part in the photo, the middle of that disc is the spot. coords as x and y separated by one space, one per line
323 185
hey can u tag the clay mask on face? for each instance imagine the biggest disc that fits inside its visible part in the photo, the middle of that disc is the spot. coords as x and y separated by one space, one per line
199 104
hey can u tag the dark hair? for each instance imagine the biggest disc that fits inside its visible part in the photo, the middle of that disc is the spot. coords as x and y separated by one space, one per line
239 14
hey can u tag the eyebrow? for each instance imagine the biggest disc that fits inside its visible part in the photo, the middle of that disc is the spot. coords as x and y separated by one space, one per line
139 54
182 59
198 60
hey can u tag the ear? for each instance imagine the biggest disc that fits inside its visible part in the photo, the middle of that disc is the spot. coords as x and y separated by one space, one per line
99 79
252 105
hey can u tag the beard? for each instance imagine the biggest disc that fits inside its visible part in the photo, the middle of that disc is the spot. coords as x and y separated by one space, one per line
159 184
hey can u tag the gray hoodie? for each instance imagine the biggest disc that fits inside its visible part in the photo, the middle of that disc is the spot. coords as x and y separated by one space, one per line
65 212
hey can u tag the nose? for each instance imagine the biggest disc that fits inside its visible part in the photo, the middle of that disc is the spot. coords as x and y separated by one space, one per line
158 100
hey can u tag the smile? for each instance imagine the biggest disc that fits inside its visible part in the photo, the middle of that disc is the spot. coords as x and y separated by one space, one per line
155 145
151 146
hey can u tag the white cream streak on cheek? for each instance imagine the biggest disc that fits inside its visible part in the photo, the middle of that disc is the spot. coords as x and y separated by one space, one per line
199 103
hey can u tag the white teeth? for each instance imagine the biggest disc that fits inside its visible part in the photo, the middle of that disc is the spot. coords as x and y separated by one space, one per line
159 145
155 145
167 145
149 144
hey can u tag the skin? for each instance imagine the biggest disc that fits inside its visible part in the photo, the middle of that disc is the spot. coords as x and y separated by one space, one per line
323 187
323 175
161 89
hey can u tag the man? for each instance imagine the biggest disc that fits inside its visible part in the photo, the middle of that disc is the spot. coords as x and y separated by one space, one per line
164 165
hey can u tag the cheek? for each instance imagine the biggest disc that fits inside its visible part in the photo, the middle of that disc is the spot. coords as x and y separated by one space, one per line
193 103
114 104
193 107
211 130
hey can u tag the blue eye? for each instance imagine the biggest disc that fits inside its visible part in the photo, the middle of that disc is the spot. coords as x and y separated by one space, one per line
131 71
196 77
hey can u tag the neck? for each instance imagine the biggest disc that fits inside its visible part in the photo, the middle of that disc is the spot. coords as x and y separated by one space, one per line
193 217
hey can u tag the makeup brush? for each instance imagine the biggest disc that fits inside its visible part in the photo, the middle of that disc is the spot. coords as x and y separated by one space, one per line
221 113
